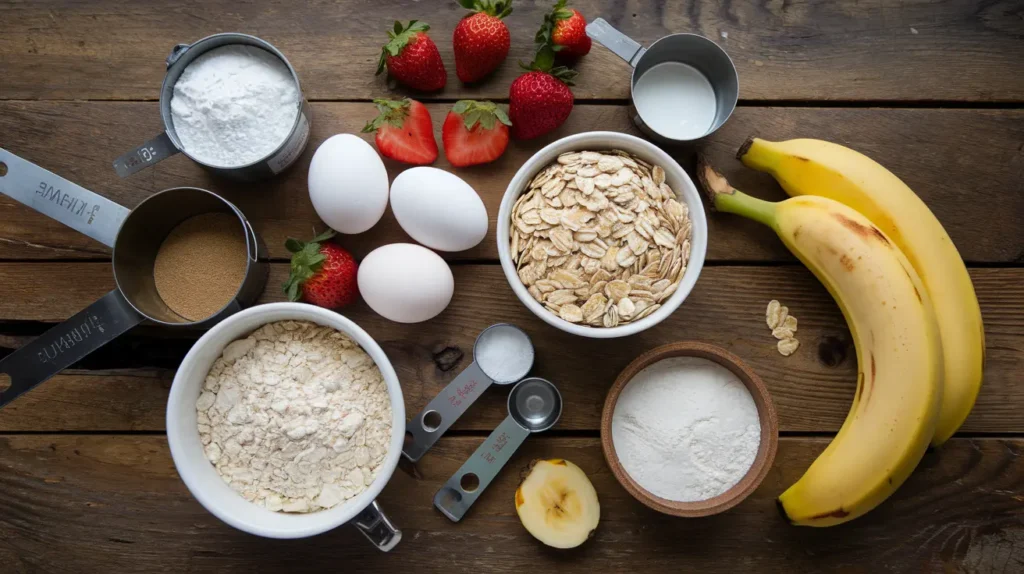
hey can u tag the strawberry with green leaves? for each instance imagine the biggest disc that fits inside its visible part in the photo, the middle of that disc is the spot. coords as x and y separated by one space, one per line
540 100
481 40
565 30
411 57
404 130
322 273
474 133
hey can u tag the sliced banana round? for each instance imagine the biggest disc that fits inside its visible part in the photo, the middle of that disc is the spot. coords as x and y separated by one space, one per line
557 503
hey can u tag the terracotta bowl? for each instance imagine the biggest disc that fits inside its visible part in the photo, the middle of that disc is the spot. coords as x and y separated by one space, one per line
766 414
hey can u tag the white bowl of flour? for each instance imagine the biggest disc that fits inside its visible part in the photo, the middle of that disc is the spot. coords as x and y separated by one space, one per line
298 517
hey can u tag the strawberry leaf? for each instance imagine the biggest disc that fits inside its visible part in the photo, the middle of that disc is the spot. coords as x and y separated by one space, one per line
484 113
391 112
502 116
293 245
306 262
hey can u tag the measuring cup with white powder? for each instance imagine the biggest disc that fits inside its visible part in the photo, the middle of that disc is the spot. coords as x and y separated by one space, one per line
684 86
232 103
503 354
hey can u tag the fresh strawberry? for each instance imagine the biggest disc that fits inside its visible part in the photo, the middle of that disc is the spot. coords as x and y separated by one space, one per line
481 40
566 30
540 100
323 273
411 57
404 131
474 133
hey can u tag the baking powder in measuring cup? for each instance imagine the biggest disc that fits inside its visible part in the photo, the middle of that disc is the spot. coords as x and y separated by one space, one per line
504 353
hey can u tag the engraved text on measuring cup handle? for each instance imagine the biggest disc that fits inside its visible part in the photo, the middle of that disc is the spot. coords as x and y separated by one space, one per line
449 405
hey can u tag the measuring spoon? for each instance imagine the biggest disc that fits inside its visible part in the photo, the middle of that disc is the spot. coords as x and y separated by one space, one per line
534 405
438 416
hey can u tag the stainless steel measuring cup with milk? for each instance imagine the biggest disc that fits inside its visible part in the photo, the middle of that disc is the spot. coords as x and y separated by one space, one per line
502 355
135 236
167 143
683 87
534 405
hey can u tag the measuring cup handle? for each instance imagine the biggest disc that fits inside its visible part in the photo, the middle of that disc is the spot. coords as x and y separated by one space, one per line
65 344
55 197
450 404
376 527
452 500
155 150
620 44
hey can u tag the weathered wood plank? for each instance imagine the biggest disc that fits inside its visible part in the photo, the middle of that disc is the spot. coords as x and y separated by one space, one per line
961 511
806 50
812 389
966 164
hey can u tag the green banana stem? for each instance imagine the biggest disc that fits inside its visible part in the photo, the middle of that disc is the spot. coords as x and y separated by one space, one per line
731 200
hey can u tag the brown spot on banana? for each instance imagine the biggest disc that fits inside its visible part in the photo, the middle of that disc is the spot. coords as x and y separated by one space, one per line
861 229
847 263
838 513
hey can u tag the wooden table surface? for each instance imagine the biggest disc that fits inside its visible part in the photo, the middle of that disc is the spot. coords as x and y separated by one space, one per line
933 90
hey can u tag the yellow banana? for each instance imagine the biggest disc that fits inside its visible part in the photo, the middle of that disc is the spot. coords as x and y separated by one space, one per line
815 167
899 353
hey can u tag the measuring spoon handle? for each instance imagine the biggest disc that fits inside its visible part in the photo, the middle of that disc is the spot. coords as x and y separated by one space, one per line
620 44
449 405
66 344
155 150
480 469
69 203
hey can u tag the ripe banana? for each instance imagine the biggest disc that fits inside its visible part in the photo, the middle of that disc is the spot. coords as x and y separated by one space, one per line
815 167
557 504
899 354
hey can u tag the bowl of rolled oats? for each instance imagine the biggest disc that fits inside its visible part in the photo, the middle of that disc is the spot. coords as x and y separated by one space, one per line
602 234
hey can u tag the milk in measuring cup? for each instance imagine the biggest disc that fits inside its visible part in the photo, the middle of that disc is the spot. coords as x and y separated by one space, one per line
676 100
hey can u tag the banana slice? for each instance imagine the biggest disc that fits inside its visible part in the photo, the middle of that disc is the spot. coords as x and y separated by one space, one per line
557 504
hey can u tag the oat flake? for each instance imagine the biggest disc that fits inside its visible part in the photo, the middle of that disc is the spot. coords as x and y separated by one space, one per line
295 417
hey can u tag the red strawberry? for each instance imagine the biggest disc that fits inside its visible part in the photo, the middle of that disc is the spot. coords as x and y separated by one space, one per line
323 273
566 30
404 131
474 133
411 57
481 40
540 100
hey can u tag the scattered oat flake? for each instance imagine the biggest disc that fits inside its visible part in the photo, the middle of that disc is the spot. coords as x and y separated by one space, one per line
790 323
781 332
788 346
772 313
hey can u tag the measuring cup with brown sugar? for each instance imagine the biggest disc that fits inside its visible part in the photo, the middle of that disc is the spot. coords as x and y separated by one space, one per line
184 257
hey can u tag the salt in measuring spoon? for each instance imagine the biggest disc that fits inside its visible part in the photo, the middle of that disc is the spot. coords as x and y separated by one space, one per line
502 355
534 405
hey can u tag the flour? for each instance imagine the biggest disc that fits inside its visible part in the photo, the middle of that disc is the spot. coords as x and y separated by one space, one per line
504 354
686 429
234 105
295 417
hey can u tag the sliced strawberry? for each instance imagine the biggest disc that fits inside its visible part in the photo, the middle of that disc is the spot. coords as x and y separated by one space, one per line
474 133
404 131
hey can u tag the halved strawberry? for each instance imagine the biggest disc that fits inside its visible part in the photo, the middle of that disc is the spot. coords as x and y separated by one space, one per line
474 133
404 131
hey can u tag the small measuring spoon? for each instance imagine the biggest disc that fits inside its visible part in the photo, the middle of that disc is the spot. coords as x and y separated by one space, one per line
495 361
534 405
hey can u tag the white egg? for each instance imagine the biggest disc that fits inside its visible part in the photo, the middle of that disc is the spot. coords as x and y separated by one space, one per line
438 209
348 184
405 283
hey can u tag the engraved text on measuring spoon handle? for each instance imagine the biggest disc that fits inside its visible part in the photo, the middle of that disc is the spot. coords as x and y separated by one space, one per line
428 425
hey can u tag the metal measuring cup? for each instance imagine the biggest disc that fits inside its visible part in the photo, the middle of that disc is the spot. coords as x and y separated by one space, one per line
135 236
167 144
426 427
692 49
534 405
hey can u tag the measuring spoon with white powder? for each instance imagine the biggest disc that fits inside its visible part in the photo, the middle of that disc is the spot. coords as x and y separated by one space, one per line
502 355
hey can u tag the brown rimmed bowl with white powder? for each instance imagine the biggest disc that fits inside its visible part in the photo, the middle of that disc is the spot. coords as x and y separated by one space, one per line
757 444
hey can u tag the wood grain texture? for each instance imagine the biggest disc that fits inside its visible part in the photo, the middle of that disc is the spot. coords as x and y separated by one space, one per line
793 50
965 164
961 511
812 389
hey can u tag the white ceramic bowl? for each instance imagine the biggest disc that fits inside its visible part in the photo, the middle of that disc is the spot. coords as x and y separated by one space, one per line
675 176
199 474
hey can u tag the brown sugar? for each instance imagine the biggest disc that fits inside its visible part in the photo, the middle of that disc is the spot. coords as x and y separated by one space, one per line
201 265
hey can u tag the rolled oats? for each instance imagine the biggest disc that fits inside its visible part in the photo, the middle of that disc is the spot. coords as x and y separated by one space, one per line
783 326
599 238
